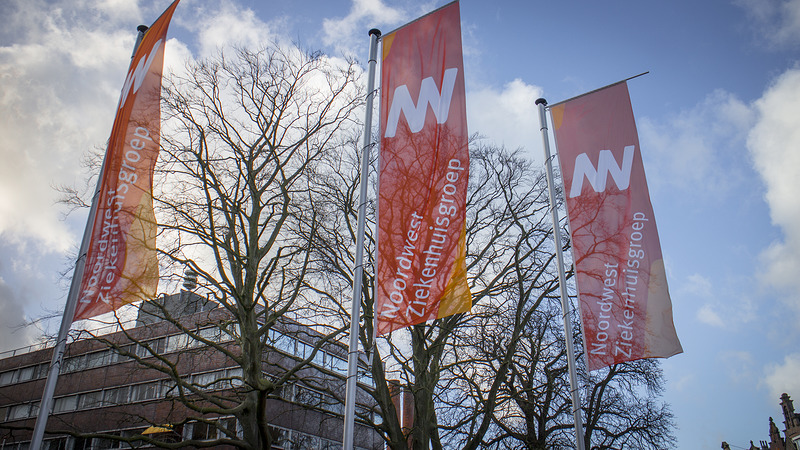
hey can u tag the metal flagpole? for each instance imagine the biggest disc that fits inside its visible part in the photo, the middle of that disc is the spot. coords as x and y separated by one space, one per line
46 405
562 280
355 310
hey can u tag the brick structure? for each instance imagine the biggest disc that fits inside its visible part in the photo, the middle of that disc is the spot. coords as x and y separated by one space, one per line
791 430
101 391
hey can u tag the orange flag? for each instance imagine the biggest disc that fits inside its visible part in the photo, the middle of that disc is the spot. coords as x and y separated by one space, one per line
625 306
121 264
424 171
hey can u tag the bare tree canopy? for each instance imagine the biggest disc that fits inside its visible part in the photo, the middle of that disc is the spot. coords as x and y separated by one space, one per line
256 196
243 141
495 378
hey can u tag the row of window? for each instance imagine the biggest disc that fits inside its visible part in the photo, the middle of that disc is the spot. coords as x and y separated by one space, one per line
315 399
322 358
168 344
194 430
296 347
154 390
283 439
107 357
23 374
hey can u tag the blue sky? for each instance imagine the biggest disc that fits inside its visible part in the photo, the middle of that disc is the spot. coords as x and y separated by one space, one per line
718 117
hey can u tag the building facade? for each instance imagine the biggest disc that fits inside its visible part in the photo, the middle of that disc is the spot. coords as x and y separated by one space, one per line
790 439
104 390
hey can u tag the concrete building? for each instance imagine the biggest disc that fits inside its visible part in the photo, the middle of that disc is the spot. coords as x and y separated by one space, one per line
101 391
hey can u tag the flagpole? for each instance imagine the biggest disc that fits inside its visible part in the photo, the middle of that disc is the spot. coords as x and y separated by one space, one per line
46 405
562 280
355 309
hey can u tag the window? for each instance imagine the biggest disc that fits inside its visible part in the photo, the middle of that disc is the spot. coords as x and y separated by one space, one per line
88 361
22 411
41 370
369 415
169 388
90 400
207 431
203 431
63 404
280 438
220 379
303 350
303 441
284 391
73 364
21 446
155 346
82 444
284 343
117 396
177 342
207 380
140 351
18 412
97 359
25 374
147 391
228 427
235 375
316 399
113 443
337 364
55 444
365 377
7 377
103 444
213 334
319 358
330 445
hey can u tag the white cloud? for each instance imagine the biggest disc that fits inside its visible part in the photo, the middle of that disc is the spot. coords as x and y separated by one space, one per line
62 64
780 378
699 285
777 22
773 144
364 14
26 282
59 89
224 24
120 10
709 316
508 117
13 333
695 150
720 307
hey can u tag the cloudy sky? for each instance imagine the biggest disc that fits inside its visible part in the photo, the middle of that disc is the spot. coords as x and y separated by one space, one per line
718 117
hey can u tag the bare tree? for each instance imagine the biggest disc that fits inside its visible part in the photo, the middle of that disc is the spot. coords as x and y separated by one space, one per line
244 137
504 200
483 353
621 403
505 383
623 407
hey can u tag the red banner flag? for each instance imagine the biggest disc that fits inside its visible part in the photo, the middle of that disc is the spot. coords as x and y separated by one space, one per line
424 170
622 285
121 265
